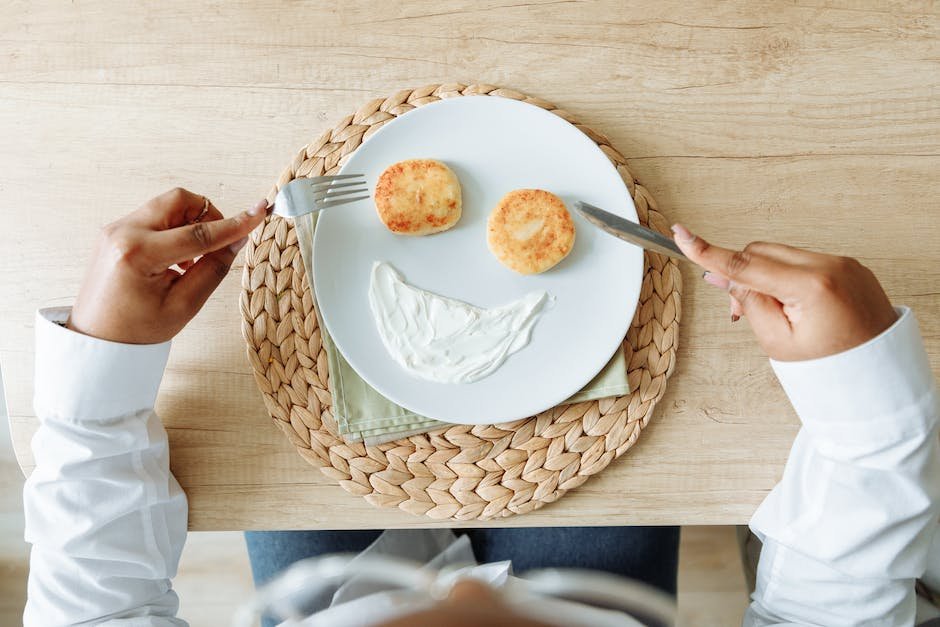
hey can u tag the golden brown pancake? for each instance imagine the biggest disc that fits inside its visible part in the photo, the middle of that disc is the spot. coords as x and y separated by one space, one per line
530 230
418 197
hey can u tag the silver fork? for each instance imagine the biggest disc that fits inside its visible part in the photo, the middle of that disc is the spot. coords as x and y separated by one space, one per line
303 196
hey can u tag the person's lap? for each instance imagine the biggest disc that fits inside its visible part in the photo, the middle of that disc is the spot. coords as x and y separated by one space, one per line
270 552
648 554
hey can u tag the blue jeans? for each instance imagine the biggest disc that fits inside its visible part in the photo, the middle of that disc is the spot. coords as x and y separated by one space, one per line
647 554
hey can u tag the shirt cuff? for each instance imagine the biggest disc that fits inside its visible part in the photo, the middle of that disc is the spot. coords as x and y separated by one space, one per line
869 397
80 378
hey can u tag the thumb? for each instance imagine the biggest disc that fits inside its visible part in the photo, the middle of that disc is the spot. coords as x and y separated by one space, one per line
765 316
192 290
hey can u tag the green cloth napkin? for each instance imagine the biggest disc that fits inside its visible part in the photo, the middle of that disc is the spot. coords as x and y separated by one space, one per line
364 415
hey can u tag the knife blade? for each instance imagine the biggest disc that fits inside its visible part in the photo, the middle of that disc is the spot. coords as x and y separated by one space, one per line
628 231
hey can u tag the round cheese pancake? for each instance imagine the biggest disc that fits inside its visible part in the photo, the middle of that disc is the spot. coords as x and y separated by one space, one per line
418 197
530 230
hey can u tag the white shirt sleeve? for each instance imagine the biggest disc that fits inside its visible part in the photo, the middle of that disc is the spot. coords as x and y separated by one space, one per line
847 530
106 519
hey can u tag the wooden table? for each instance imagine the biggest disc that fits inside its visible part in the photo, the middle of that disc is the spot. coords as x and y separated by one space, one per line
810 125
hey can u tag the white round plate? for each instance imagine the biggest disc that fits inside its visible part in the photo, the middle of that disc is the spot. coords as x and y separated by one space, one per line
494 145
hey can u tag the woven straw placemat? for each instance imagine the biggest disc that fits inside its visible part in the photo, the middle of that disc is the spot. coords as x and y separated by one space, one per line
460 472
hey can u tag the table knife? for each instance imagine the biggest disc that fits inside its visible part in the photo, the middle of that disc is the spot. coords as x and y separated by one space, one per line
629 231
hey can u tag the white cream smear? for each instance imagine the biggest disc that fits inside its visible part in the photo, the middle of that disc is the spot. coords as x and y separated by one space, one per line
446 340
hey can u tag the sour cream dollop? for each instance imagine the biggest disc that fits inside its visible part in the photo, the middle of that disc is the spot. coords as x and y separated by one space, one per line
446 340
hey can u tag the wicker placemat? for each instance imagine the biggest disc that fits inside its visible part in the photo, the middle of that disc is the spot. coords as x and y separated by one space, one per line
462 472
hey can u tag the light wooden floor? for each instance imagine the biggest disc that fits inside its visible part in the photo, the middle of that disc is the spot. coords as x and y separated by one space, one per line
214 572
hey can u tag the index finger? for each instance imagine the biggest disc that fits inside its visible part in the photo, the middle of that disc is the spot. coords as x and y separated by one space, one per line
758 272
171 209
194 240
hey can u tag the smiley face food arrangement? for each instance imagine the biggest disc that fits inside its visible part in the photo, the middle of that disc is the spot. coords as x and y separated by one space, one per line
439 338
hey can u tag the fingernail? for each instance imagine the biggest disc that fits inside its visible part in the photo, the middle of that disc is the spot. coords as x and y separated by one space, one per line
735 318
237 246
681 233
260 206
714 279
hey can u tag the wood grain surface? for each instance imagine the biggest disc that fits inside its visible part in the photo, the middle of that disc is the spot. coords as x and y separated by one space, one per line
812 123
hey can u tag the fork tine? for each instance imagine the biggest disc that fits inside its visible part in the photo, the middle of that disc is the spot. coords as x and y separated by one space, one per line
328 194
322 187
332 177
339 201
